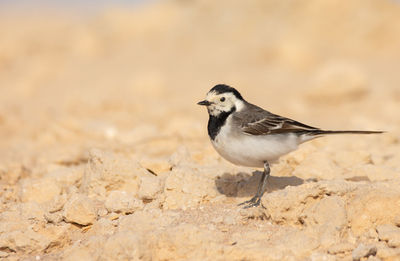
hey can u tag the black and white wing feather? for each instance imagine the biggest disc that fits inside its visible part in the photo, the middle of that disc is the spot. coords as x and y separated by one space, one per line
257 121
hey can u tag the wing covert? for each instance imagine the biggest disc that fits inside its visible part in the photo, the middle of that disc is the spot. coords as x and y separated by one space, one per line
257 121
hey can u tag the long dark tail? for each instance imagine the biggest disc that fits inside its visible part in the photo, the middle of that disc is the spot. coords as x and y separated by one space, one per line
328 132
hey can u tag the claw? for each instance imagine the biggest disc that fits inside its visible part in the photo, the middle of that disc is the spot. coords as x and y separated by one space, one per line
251 205
253 202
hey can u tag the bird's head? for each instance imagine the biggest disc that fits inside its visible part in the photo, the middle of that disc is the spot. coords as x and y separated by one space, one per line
222 99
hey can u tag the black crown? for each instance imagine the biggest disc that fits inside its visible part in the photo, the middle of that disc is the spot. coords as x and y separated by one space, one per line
223 88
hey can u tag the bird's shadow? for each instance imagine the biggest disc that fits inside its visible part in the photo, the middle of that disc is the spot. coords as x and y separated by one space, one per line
245 185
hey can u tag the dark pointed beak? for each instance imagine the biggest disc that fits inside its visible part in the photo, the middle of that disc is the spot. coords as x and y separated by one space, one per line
204 103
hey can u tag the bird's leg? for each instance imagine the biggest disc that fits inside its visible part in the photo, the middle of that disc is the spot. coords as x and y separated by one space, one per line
255 201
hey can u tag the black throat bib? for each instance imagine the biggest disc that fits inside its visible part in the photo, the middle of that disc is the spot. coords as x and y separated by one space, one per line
216 122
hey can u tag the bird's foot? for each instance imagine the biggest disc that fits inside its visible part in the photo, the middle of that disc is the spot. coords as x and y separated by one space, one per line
253 202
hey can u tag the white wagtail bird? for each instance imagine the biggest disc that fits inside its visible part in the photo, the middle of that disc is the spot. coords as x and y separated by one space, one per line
250 136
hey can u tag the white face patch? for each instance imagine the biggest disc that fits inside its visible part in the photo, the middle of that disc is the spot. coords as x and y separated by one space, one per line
223 102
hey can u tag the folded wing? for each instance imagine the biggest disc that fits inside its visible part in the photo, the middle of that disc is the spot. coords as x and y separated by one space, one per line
260 122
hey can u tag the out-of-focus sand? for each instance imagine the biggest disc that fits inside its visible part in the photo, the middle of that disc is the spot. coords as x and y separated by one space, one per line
104 153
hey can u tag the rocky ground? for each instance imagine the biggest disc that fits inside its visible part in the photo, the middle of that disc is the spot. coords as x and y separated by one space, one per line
104 153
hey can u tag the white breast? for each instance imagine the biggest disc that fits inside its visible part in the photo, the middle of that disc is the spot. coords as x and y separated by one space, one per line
252 150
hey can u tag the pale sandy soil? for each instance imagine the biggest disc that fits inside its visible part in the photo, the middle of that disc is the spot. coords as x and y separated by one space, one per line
104 153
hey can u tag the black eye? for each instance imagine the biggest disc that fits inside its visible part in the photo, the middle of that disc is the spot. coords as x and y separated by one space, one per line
222 99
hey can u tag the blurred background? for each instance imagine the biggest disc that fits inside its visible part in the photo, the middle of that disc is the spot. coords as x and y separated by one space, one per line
127 74
93 93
